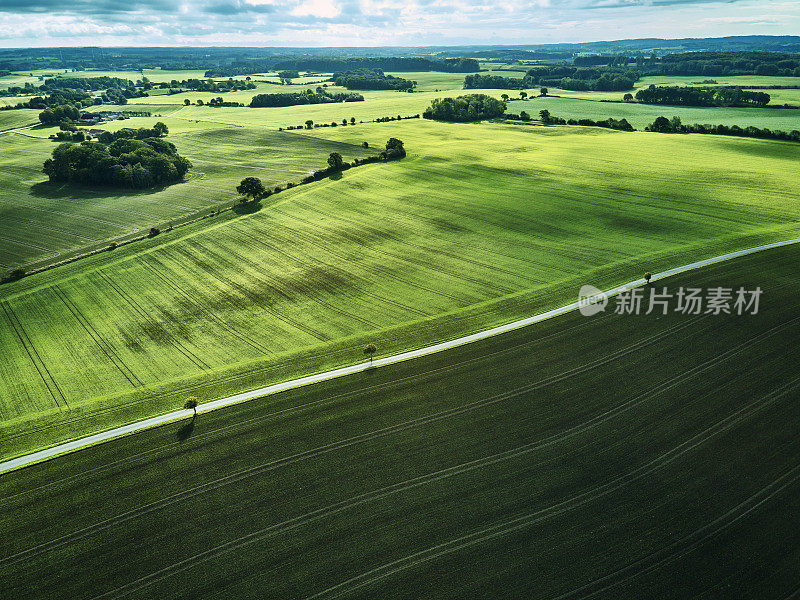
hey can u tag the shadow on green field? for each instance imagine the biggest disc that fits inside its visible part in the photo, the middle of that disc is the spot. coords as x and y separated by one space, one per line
185 431
46 189
248 208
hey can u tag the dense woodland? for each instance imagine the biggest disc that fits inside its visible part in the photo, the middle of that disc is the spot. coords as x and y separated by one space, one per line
126 163
329 65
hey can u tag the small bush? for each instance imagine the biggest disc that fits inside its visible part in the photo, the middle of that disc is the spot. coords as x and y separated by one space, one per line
154 231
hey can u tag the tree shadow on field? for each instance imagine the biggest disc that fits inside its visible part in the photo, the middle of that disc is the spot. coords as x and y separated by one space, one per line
185 431
247 208
46 189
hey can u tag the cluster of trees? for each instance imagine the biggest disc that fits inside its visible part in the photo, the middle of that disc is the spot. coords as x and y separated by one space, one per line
471 107
397 118
70 136
65 113
674 125
700 96
127 163
389 63
494 82
253 189
523 116
372 79
218 101
57 98
143 133
287 75
207 85
305 97
311 125
600 59
565 77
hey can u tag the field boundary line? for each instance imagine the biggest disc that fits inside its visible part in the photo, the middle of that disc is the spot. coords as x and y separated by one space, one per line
110 434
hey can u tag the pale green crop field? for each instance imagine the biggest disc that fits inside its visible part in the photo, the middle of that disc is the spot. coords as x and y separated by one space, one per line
480 224
380 103
641 115
43 222
10 119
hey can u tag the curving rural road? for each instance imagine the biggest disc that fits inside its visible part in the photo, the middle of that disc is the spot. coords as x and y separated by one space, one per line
85 442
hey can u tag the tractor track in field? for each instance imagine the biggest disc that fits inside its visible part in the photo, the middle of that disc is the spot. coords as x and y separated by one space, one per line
104 346
442 252
33 354
278 283
684 545
244 291
310 239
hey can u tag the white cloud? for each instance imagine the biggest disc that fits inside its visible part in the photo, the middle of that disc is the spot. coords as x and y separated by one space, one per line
325 9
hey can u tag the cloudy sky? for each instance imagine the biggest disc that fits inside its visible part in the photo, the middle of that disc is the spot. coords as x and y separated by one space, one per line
26 23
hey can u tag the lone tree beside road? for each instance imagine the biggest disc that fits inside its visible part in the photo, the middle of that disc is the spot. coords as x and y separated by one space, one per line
370 350
191 403
648 276
251 187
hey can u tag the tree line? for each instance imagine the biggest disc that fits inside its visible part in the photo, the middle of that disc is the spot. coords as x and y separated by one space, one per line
674 125
330 65
701 96
252 189
321 96
619 124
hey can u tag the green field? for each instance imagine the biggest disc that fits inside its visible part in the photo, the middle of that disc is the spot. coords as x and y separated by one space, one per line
642 115
11 119
611 457
481 224
40 222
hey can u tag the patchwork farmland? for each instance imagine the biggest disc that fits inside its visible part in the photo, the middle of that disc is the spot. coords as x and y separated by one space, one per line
170 422
380 253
